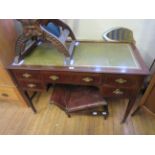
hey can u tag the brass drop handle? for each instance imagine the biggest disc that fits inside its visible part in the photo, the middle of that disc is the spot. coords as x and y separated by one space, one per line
118 92
87 79
5 95
26 75
31 85
54 77
121 81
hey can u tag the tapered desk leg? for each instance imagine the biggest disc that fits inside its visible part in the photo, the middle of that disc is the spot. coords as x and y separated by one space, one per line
128 109
30 100
137 109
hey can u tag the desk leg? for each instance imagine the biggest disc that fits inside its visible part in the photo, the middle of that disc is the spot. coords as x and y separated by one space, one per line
30 100
128 109
137 109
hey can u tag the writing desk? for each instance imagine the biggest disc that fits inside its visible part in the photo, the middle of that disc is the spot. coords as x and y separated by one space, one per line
116 69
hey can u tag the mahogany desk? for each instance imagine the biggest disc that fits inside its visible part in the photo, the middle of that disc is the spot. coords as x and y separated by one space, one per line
116 69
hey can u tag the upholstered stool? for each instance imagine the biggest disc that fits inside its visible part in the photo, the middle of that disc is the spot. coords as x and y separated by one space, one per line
79 99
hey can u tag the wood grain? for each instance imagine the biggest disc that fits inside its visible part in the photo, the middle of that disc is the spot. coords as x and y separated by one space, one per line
52 120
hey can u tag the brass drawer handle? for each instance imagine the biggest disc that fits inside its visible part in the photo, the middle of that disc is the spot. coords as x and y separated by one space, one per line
118 92
87 79
54 77
31 85
121 81
26 75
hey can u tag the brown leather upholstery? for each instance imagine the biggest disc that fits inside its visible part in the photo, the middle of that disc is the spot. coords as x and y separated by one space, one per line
77 98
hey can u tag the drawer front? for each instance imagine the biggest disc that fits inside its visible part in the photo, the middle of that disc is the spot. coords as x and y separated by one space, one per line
31 85
88 79
121 80
55 77
8 93
5 78
111 91
27 75
72 78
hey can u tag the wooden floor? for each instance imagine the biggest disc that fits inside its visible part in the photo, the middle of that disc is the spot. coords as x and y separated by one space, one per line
51 120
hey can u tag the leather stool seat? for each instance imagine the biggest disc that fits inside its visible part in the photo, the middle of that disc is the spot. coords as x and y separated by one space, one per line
79 99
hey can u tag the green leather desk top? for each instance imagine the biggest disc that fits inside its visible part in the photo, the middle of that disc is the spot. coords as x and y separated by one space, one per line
85 55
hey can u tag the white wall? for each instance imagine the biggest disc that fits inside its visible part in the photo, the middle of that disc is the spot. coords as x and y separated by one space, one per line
143 30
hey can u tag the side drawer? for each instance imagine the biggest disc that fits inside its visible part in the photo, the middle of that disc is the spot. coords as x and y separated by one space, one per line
31 85
8 93
27 75
112 91
121 80
72 78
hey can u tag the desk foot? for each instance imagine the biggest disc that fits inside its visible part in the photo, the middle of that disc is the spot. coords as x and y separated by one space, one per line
128 109
137 109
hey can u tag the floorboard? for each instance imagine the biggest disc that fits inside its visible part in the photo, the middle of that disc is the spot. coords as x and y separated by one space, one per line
51 120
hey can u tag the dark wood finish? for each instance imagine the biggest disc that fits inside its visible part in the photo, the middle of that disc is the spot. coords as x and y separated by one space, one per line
104 79
35 33
122 80
129 108
27 75
111 91
31 85
58 23
30 101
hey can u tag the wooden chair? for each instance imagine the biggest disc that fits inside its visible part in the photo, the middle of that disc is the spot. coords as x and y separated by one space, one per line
119 34
35 32
60 42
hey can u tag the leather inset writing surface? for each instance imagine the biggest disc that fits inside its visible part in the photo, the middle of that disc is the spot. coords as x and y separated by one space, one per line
86 55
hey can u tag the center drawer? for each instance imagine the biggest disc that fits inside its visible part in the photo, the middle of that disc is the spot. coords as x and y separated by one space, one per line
72 78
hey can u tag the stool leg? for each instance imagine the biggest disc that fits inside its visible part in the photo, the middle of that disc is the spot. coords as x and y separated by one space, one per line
105 112
68 114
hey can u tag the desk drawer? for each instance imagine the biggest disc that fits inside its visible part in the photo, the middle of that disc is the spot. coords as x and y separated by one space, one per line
72 78
111 91
32 85
56 77
27 74
121 80
88 79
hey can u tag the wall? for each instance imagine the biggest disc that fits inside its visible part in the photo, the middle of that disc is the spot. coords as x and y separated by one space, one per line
143 30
